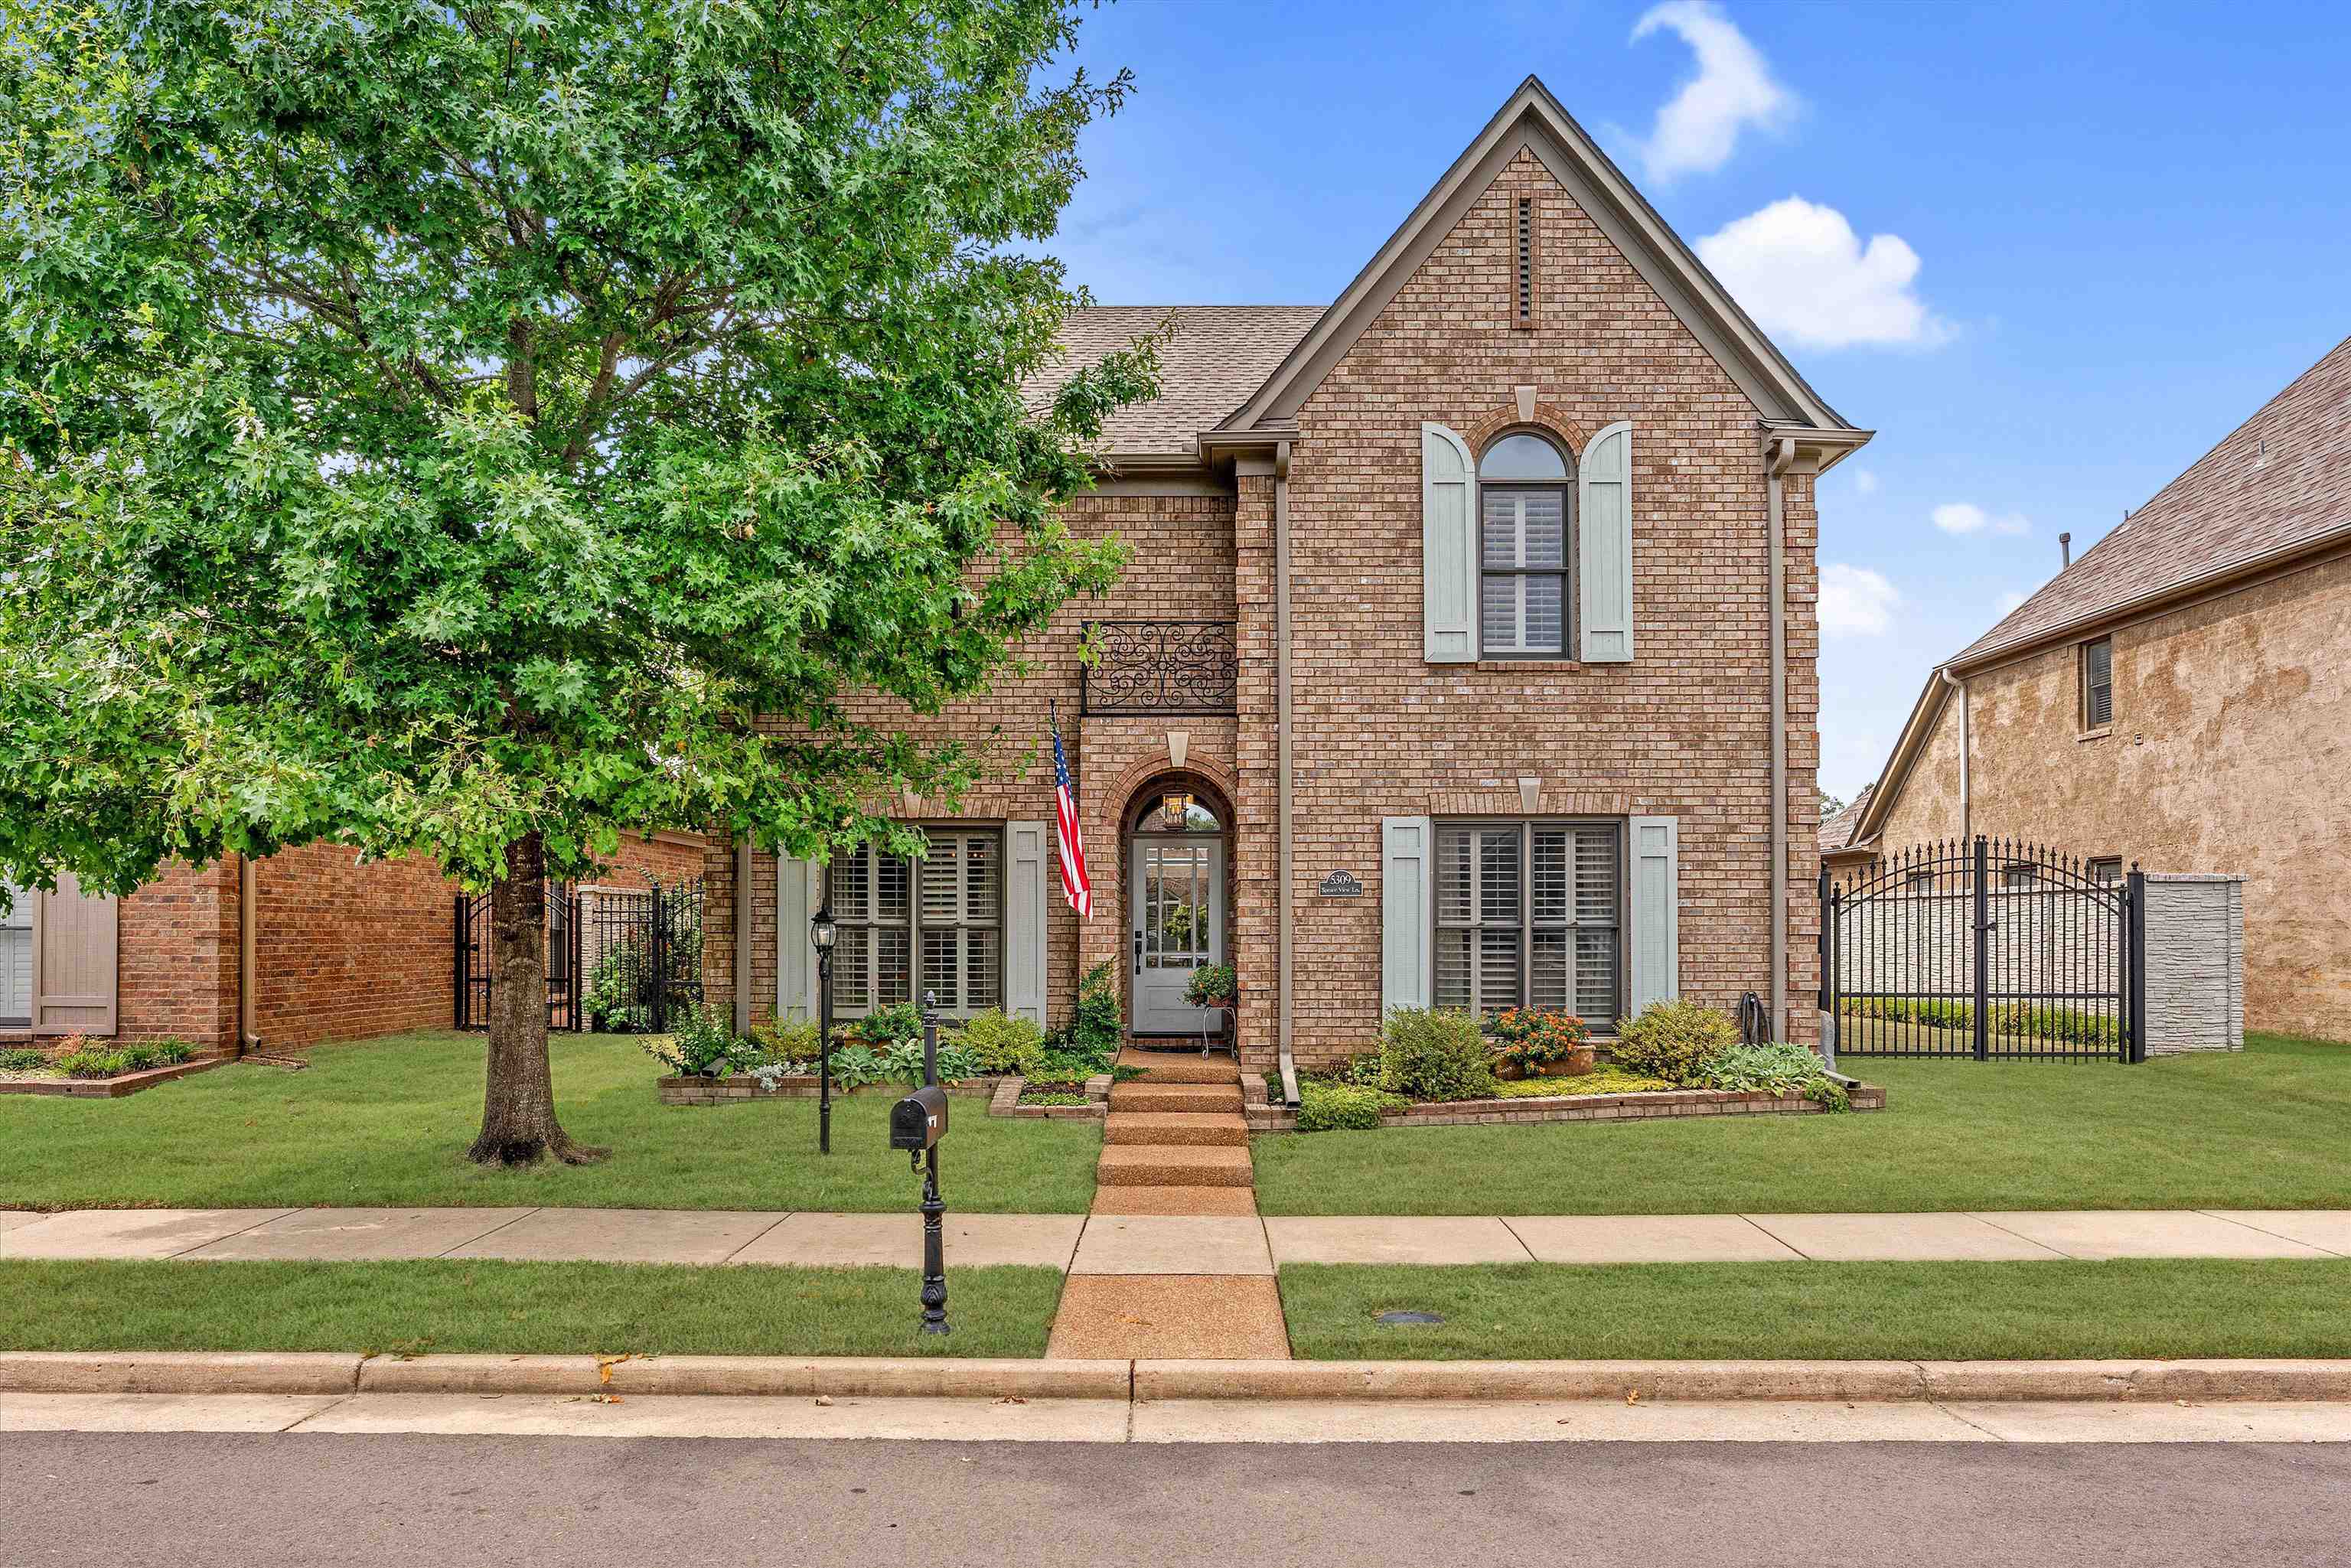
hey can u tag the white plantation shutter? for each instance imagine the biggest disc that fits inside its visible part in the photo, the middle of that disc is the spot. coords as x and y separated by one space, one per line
1654 972
1605 553
1405 927
1449 549
962 920
1028 855
1523 557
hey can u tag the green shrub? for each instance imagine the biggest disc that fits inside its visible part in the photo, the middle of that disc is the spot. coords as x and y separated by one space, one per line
173 1050
1673 1041
791 1045
904 1063
1781 1068
704 1043
893 1025
1003 1044
91 1062
1327 1107
1100 1023
1429 1054
855 1066
23 1060
139 1058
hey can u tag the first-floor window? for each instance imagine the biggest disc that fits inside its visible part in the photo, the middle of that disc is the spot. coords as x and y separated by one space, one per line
908 927
2106 868
1528 916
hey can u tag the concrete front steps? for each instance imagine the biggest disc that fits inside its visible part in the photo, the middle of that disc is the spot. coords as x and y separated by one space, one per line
1173 1164
1193 1128
1178 1128
1175 1097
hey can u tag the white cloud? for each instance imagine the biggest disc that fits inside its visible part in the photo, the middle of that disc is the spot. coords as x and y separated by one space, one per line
2010 599
1855 601
1967 518
1802 273
1698 128
1864 482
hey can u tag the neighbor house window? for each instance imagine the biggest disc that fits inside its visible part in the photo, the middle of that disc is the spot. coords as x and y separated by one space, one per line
2106 868
2098 684
1527 915
2020 874
1522 548
909 928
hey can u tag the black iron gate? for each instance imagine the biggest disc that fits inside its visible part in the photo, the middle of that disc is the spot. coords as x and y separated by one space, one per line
562 955
1986 948
643 952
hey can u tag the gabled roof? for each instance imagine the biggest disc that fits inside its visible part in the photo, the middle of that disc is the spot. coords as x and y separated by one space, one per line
1533 121
2278 484
1836 833
1216 356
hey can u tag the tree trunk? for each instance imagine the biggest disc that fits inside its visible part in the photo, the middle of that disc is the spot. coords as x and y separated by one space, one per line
518 1124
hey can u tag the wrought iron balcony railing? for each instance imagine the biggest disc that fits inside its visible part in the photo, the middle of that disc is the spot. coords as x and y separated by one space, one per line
1146 668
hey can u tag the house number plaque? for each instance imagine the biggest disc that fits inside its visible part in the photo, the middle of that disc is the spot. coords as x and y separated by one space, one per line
1341 884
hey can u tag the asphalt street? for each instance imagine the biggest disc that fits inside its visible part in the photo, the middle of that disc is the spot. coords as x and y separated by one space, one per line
201 1500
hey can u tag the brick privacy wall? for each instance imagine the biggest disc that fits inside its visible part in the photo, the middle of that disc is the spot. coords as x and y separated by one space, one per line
1181 569
343 950
2226 754
1683 730
175 958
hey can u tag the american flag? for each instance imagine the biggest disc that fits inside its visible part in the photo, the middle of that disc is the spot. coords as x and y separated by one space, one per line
1067 838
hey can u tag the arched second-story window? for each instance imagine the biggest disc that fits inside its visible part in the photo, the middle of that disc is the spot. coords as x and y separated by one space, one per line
1522 548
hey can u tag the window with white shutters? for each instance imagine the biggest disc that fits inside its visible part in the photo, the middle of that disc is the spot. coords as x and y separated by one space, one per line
908 927
1522 581
1527 915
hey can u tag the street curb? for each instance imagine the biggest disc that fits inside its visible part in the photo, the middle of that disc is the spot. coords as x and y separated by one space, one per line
1873 1381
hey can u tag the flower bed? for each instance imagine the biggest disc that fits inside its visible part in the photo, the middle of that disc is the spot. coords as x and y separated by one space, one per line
1014 1098
1264 1117
730 1088
81 1069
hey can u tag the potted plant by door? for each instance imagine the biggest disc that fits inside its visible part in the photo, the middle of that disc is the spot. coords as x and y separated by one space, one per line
1537 1042
1216 986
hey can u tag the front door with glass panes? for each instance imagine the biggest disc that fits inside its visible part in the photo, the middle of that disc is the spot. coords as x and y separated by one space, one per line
934 925
1177 853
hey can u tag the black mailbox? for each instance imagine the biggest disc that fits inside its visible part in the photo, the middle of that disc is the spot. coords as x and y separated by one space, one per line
920 1120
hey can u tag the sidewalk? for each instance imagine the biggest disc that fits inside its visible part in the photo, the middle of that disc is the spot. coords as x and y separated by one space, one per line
1162 1244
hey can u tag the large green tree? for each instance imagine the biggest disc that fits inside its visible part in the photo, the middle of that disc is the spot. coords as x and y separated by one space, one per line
444 429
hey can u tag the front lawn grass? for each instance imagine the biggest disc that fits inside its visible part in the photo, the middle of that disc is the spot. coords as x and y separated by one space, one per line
445 1305
385 1123
2265 1128
1846 1312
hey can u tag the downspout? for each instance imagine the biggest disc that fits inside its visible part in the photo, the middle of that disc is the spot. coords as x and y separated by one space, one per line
1782 456
1967 814
743 937
248 968
1288 1064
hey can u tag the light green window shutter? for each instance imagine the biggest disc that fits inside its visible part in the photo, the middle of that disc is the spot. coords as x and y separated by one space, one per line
1449 549
1604 555
1029 855
1654 974
1407 848
799 893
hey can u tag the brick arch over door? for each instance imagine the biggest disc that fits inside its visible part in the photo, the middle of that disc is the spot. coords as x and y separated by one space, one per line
1141 784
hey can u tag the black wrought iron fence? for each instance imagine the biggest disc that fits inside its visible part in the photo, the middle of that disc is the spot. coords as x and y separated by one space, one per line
560 925
1985 947
643 952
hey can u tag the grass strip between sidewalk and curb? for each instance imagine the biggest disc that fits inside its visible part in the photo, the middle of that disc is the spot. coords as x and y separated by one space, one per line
2267 1126
2184 1307
450 1306
386 1122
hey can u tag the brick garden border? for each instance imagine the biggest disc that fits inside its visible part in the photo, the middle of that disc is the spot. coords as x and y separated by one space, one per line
735 1088
1006 1102
1642 1106
111 1088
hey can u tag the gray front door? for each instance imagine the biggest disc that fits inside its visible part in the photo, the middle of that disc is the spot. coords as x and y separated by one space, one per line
1178 917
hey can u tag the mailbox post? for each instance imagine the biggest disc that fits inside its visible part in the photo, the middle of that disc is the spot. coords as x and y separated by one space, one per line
917 1122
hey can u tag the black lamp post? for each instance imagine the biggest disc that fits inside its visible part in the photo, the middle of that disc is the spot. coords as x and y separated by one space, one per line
822 933
935 1260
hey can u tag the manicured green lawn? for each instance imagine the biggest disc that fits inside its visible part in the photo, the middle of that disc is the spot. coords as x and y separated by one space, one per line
2266 1128
386 1122
1865 1312
604 1308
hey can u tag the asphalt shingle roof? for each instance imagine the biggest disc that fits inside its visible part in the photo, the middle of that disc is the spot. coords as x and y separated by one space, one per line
2280 479
1219 355
1837 831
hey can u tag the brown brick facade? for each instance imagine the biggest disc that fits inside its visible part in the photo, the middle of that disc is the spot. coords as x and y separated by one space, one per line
1681 730
2226 754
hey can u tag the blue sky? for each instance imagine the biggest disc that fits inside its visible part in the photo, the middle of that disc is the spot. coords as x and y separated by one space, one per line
2111 233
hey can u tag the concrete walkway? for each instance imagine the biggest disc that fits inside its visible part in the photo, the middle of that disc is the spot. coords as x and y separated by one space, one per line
1143 1245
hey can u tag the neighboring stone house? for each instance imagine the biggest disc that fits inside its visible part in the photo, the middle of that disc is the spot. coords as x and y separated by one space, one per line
282 953
1466 658
1838 852
2177 698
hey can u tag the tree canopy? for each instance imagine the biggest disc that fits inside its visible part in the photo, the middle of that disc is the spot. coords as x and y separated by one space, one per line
433 428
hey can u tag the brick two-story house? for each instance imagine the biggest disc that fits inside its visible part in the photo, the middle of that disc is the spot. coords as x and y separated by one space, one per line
1466 657
2179 697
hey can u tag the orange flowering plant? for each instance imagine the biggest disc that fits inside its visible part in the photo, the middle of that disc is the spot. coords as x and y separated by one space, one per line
1537 1037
